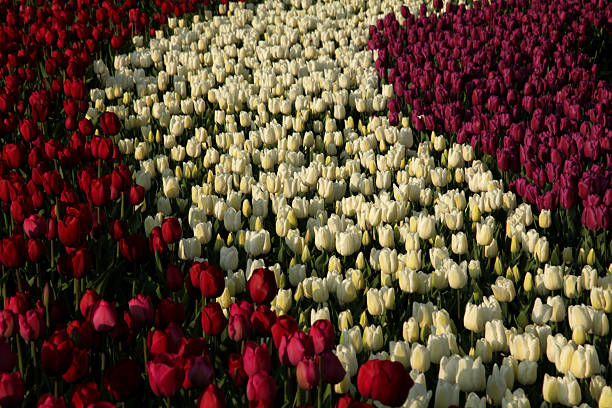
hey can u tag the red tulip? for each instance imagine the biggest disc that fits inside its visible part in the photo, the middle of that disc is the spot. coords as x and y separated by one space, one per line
7 323
262 285
79 366
101 147
213 320
307 373
13 251
81 262
35 226
332 370
384 381
165 375
104 317
322 334
49 401
156 241
31 324
88 301
171 230
85 394
11 388
239 326
141 309
212 397
161 341
121 178
110 123
72 228
256 358
299 345
199 373
261 388
133 247
262 320
56 353
236 369
212 280
284 326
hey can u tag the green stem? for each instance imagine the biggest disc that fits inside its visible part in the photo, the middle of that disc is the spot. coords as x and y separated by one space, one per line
102 368
144 349
77 293
18 277
168 403
52 254
122 201
19 355
33 353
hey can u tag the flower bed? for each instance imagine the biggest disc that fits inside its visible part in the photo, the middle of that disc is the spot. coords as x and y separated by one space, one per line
513 79
222 215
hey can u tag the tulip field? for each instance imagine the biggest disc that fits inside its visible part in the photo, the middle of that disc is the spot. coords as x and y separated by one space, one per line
301 203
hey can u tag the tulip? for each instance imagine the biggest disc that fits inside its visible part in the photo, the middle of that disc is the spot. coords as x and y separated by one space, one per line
503 289
605 399
189 248
257 242
446 394
262 285
420 358
261 388
384 381
211 397
373 337
213 320
11 388
31 324
165 375
256 358
307 373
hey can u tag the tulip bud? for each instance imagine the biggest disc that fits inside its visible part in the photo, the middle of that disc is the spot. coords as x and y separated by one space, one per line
459 176
365 239
410 330
306 255
303 320
528 282
345 320
544 219
498 266
360 262
292 219
363 320
299 292
591 257
567 255
515 245
225 300
46 295
246 208
475 213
